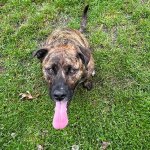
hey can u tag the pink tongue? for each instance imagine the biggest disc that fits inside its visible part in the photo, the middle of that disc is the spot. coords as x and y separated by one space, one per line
60 119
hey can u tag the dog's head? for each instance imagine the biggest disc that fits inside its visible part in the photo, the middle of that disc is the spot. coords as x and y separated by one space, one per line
63 69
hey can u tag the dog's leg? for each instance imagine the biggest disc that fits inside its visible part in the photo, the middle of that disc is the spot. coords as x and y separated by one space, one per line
88 84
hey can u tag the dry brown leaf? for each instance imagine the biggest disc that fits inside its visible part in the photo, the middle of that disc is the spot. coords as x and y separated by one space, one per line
27 96
105 145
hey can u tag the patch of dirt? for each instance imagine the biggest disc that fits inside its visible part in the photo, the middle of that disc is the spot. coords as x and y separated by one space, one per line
2 69
123 84
144 1
114 34
2 4
61 20
105 28
22 22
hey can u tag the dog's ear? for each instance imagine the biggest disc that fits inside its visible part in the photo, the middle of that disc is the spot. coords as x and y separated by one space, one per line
84 55
41 53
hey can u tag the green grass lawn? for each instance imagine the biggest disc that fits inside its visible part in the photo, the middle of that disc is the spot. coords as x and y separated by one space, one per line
117 110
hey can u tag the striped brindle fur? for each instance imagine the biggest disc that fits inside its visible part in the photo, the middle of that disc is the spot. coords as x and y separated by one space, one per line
66 61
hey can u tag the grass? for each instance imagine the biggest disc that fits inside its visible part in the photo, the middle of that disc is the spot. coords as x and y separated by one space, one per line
115 111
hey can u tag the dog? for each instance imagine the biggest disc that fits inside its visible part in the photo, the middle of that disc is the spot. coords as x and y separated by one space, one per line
67 61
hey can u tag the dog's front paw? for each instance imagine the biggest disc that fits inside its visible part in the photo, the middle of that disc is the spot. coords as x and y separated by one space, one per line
88 85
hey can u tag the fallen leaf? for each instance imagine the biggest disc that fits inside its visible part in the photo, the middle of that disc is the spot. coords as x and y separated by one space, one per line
40 147
105 145
75 147
27 95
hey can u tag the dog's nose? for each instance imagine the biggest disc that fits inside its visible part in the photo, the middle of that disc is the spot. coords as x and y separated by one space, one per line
59 95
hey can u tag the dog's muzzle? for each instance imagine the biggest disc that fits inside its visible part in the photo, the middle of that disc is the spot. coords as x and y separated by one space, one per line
60 94
60 91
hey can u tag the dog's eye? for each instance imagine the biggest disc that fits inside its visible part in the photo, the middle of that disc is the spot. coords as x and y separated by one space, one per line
50 71
71 70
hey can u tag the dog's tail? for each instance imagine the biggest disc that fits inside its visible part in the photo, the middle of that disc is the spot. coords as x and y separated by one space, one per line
84 19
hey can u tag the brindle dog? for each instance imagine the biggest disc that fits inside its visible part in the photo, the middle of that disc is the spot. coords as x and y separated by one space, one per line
67 61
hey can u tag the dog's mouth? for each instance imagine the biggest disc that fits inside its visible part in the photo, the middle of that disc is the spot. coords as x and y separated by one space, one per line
60 119
61 96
